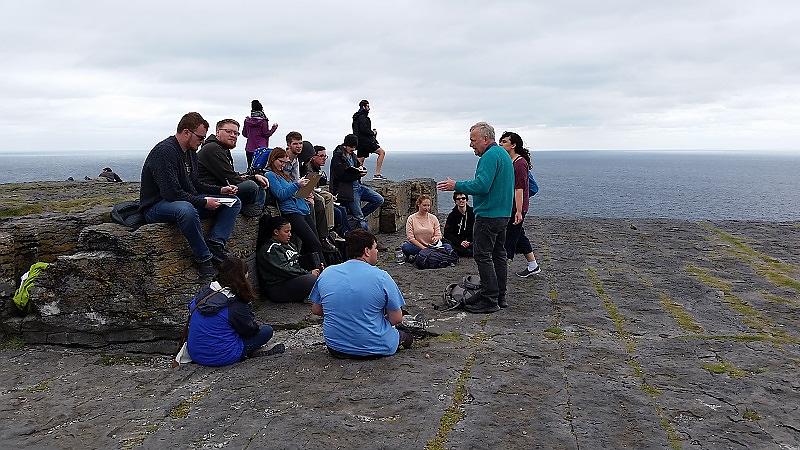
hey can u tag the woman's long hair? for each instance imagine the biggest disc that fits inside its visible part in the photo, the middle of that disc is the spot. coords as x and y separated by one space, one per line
233 275
274 155
519 147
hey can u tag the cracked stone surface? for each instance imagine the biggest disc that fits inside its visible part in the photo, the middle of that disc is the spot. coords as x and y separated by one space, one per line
587 356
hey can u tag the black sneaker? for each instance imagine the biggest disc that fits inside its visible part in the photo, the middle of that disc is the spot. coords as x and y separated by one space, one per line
218 251
276 349
481 309
206 269
526 273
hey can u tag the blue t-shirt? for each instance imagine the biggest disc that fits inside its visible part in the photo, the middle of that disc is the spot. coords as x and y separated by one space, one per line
355 297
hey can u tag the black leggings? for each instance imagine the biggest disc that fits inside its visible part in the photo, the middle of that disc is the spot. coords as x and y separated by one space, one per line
293 290
303 226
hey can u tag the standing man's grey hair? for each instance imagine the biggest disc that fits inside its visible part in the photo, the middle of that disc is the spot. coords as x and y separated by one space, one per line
484 130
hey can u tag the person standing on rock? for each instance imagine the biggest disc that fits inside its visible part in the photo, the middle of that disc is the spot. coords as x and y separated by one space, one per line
216 167
516 241
256 130
360 304
367 138
492 190
171 192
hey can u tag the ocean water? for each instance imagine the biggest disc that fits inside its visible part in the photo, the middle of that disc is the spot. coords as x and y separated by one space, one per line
682 185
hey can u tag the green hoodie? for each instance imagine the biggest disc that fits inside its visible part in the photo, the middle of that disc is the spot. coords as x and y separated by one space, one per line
278 263
492 189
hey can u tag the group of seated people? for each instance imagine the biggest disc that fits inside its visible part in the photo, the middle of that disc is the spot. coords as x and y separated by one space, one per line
360 304
423 229
191 176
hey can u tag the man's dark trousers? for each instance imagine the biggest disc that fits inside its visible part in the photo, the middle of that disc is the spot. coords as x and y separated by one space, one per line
489 252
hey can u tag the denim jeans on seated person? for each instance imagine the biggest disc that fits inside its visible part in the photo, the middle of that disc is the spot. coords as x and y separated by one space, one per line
251 193
341 225
363 193
489 252
257 340
187 217
410 249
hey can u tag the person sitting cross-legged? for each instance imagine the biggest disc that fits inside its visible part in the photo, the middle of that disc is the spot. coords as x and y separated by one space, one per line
459 223
279 273
222 326
422 229
360 304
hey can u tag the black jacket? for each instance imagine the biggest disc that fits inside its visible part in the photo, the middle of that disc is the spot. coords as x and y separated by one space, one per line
215 164
170 174
458 227
362 127
343 175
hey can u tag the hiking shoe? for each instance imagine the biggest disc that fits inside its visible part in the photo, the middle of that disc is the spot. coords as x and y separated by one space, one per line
481 309
218 251
525 273
378 176
276 349
206 269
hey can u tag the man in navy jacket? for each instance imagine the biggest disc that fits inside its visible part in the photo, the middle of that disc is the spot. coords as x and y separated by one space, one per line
171 192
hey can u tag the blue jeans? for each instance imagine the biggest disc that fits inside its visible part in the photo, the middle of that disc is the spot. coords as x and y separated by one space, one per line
187 217
340 220
363 193
489 252
256 341
251 193
410 249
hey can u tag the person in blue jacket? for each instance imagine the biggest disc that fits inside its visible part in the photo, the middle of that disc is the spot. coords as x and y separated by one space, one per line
296 210
222 326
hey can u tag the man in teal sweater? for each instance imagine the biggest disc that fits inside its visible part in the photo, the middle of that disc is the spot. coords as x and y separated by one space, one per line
492 190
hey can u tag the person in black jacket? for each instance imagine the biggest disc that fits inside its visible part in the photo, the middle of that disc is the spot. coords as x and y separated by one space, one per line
367 138
458 227
171 192
346 173
216 167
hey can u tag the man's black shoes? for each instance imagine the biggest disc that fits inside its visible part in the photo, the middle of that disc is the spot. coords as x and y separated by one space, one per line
218 251
205 269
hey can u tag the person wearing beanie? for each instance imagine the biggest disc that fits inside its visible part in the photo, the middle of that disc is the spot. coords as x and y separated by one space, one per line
257 130
346 174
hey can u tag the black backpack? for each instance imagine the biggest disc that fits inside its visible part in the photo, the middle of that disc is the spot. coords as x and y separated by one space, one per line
457 293
436 258
127 213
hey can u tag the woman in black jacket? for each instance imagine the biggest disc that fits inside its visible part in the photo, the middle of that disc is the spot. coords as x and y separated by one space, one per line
458 227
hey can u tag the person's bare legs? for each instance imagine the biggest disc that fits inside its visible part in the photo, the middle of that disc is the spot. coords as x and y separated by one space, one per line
379 163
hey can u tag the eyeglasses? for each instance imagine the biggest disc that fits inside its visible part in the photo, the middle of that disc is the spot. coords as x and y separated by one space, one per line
199 136
458 199
231 132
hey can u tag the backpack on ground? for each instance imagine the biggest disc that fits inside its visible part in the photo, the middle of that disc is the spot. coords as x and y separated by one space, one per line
436 258
456 294
127 213
533 186
260 157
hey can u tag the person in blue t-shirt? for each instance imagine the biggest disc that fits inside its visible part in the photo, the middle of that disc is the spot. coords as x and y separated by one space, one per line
360 304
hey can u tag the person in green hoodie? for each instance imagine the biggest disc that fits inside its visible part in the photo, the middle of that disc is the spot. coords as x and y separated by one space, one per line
279 273
492 192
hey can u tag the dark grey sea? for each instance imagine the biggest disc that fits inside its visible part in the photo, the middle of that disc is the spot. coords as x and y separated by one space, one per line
635 184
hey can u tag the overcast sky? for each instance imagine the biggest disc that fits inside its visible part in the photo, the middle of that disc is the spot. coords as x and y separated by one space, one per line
117 76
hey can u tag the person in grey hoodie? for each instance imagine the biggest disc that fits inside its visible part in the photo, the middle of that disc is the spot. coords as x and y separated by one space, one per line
257 130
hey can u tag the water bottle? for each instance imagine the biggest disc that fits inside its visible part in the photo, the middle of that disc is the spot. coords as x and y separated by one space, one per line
399 256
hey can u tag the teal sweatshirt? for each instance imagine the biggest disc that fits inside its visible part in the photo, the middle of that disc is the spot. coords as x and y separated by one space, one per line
492 189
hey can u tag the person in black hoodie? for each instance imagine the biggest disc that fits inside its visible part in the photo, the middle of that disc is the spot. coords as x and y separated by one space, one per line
216 167
458 227
367 138
346 173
